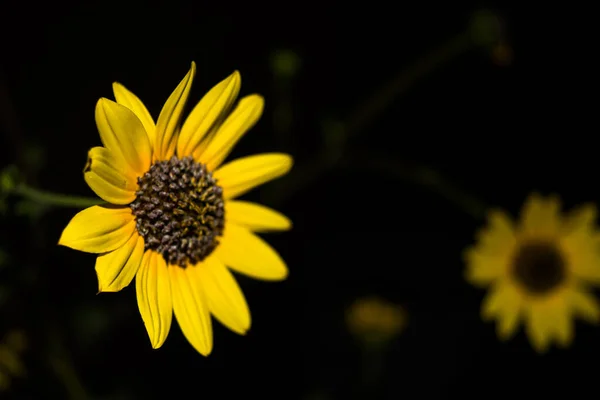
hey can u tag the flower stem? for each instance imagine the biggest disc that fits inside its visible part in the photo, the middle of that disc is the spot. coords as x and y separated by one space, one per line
54 199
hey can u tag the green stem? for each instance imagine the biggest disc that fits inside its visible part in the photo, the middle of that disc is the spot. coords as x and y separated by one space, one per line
55 199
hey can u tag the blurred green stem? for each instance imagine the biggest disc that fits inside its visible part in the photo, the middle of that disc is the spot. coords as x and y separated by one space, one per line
65 372
54 199
367 112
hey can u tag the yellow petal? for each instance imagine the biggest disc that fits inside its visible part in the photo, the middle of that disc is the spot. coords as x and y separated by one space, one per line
563 321
243 117
131 101
191 308
123 134
585 305
98 229
153 289
256 217
244 252
539 325
498 238
483 269
504 303
170 118
211 109
109 177
580 219
540 216
225 298
244 174
116 269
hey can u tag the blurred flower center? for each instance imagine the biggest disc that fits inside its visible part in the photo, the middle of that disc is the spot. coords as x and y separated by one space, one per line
179 210
539 266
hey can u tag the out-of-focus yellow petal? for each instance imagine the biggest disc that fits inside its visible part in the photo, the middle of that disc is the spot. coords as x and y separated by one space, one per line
244 174
109 177
170 118
98 229
244 252
191 308
256 217
117 268
153 289
124 135
211 110
243 117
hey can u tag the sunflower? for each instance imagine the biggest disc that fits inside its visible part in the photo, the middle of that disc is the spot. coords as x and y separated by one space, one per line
171 220
539 271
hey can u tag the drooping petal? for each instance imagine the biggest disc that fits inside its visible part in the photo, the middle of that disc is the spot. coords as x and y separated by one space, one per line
98 229
225 298
244 252
153 290
504 303
211 109
117 268
109 177
124 135
244 174
539 325
243 117
256 217
170 118
131 101
191 308
563 321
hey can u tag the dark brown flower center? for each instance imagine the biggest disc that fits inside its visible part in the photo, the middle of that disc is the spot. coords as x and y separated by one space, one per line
539 266
179 210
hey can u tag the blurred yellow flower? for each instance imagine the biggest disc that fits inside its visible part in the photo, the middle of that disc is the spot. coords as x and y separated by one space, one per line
375 320
11 365
538 271
171 219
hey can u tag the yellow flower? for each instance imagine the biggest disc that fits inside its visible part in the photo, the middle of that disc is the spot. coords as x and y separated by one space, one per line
538 271
172 221
375 320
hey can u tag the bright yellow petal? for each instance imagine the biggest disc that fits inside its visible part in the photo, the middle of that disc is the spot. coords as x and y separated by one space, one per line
539 325
243 117
191 308
585 305
211 109
225 298
244 174
244 252
540 216
109 177
116 269
153 289
503 302
170 118
131 101
256 217
98 229
124 135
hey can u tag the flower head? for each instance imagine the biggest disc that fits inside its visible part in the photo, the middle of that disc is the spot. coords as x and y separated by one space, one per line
171 220
538 271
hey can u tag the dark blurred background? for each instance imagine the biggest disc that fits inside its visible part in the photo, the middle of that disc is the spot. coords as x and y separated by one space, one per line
404 119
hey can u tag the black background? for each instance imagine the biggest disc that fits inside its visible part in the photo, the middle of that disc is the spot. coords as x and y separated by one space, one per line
493 130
